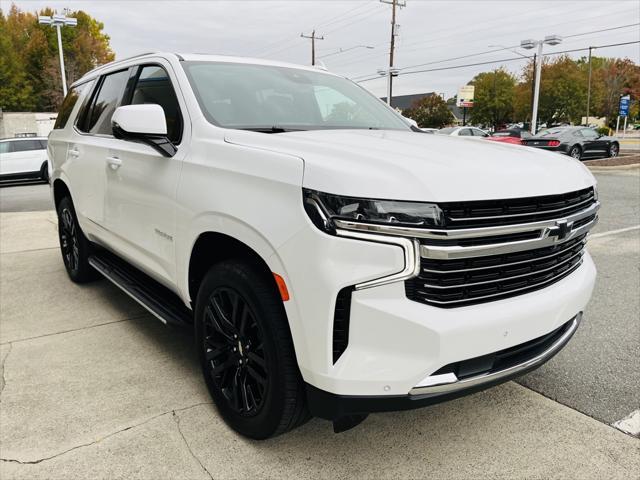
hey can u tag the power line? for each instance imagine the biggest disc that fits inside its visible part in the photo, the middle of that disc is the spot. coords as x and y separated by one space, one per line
452 67
602 30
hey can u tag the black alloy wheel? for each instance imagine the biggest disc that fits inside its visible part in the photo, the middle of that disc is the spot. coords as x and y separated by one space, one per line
576 152
233 346
246 351
74 246
69 239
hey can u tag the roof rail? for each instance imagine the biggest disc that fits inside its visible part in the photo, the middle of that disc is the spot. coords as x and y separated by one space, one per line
115 62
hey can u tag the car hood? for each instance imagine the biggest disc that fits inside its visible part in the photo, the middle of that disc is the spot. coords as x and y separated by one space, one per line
413 166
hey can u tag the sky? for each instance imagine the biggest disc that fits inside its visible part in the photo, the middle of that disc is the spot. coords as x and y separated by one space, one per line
434 34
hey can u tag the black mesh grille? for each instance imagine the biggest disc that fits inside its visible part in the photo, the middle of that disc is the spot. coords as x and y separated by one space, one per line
454 283
341 322
514 211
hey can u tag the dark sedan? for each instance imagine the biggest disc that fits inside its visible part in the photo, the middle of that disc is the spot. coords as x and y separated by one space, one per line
578 142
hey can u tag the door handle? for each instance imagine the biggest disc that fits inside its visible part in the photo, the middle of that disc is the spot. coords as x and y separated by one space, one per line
114 162
74 153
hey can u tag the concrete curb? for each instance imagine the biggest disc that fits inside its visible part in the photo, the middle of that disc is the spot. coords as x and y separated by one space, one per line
600 168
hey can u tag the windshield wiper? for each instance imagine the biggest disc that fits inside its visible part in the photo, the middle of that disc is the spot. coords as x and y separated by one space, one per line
272 129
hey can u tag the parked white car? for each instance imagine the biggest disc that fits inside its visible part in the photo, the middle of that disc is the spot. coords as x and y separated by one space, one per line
331 261
462 132
23 158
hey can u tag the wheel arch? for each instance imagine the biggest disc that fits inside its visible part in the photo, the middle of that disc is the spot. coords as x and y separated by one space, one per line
60 190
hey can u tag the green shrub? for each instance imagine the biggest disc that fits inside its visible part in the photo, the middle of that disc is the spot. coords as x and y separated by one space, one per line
603 130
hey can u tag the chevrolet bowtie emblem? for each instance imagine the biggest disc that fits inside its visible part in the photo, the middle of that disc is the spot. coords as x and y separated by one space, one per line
561 230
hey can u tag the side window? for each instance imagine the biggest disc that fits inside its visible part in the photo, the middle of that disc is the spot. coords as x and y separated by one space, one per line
4 147
588 133
479 133
154 86
105 102
67 106
465 132
25 145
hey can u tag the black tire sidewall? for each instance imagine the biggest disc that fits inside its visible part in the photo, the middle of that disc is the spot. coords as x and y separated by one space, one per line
575 147
256 291
84 272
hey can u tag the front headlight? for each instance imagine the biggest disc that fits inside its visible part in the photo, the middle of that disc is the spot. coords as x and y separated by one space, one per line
324 209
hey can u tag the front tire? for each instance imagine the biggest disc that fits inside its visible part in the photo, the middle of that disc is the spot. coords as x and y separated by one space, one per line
576 152
246 352
74 246
614 150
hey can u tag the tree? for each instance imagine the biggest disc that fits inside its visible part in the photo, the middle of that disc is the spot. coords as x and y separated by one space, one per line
430 111
493 98
29 65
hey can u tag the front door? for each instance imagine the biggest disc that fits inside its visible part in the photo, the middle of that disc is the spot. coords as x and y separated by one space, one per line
140 204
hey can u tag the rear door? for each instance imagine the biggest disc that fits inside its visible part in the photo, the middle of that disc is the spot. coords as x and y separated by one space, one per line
140 207
92 144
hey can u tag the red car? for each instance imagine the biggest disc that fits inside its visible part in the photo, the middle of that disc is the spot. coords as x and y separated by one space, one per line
509 136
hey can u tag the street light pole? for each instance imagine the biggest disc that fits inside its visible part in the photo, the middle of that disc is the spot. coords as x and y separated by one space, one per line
529 44
589 87
59 21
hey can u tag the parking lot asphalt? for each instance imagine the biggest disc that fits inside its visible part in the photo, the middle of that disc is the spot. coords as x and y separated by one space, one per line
25 197
93 387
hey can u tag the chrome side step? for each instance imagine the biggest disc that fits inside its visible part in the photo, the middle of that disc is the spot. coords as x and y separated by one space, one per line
157 299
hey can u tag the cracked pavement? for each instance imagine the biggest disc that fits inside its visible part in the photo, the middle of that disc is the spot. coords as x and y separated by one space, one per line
94 387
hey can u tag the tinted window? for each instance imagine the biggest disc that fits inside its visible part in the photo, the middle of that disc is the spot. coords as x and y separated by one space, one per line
479 133
25 145
588 133
465 132
67 106
154 86
261 97
43 144
106 101
551 132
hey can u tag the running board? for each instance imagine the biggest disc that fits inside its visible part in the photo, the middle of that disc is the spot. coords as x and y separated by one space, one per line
159 300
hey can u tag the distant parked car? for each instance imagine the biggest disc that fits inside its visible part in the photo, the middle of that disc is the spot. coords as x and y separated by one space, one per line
23 158
514 136
463 132
577 142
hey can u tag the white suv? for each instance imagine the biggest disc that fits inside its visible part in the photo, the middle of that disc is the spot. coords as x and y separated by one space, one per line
332 260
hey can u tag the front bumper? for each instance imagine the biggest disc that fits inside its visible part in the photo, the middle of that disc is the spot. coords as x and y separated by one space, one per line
433 389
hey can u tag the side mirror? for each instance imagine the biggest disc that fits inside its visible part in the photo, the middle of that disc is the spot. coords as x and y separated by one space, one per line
144 123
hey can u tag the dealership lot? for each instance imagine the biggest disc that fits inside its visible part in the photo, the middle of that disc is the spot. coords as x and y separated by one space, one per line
92 386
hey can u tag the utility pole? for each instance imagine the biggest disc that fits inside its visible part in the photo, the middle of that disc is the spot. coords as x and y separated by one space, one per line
59 21
533 81
394 26
589 87
313 44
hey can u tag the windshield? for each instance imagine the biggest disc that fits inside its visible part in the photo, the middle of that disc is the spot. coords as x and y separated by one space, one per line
279 99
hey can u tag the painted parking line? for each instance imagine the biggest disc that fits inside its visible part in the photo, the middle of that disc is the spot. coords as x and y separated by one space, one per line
630 424
614 232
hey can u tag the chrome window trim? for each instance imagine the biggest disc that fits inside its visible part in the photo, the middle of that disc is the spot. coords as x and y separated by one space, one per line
447 383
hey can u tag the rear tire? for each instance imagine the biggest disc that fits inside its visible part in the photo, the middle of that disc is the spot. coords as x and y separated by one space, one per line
246 352
44 172
614 150
74 246
576 152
